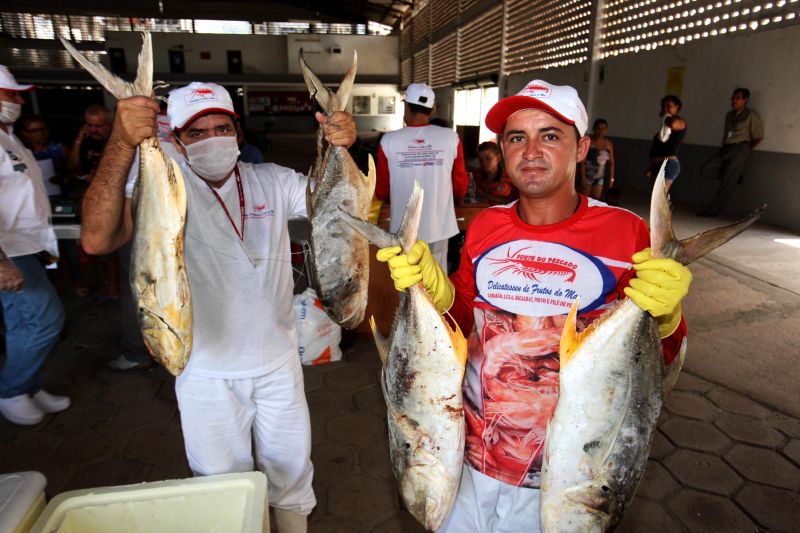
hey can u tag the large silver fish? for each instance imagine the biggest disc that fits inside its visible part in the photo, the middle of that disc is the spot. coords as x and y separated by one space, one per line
158 273
339 264
613 383
423 368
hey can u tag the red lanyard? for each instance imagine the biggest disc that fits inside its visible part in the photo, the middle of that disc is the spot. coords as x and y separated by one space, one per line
241 203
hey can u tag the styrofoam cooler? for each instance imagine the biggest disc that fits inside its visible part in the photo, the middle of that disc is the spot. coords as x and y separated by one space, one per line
227 503
21 500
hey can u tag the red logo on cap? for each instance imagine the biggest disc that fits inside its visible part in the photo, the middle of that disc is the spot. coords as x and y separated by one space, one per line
202 92
534 89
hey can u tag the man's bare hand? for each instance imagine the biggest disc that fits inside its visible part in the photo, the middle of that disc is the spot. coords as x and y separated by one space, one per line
340 128
134 122
11 279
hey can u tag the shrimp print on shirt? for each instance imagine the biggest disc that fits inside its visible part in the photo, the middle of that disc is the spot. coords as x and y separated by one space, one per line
538 278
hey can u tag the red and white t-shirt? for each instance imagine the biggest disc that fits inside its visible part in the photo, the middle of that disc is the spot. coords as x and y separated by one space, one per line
514 287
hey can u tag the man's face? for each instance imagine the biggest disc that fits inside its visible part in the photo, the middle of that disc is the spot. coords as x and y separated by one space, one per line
738 101
488 160
97 126
7 95
541 152
205 127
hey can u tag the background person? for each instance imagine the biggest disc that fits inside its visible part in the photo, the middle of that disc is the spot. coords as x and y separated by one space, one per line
667 142
431 155
557 242
597 170
32 311
743 132
491 180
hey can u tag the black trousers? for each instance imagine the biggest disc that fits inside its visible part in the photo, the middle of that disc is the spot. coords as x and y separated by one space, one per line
727 165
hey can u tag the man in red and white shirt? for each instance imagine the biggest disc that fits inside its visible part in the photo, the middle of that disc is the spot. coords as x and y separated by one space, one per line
522 267
431 155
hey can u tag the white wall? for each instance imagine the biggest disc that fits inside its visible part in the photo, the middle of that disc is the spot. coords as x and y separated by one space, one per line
377 54
261 54
764 62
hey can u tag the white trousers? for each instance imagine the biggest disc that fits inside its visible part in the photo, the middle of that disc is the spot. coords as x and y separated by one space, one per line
486 505
439 252
222 417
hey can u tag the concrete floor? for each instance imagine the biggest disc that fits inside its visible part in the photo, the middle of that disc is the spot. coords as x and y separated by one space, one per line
726 456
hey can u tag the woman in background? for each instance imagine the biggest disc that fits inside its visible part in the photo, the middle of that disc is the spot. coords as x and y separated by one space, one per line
597 171
667 142
491 181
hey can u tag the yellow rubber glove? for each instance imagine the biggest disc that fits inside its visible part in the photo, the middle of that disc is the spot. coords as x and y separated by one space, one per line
419 265
658 288
375 210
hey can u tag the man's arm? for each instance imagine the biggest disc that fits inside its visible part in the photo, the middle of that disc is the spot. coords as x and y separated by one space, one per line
460 178
107 223
382 181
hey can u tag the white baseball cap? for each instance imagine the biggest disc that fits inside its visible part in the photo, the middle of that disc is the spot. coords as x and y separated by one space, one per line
189 103
561 101
420 94
8 82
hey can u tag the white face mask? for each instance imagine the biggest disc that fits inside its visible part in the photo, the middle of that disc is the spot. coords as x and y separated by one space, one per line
9 112
213 158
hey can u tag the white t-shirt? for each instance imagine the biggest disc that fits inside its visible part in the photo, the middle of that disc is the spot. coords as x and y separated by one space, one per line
24 207
425 154
243 323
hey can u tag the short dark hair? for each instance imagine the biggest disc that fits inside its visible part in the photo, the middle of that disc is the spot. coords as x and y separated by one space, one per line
744 92
599 121
26 121
97 109
490 146
416 108
674 99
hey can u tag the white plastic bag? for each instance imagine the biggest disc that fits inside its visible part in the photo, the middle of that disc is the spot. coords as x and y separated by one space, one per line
318 336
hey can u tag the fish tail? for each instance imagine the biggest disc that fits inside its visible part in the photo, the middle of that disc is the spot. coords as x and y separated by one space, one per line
405 236
662 238
118 87
318 90
343 92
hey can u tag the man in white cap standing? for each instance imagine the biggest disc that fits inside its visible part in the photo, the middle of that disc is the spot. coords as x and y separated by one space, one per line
32 310
431 155
522 267
243 383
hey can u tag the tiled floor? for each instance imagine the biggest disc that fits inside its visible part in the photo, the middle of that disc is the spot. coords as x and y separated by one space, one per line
726 456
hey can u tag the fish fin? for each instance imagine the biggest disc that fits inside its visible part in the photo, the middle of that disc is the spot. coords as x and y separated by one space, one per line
605 445
673 371
371 232
371 176
143 84
409 227
118 87
699 245
380 341
662 238
343 92
570 338
458 339
309 196
661 233
316 88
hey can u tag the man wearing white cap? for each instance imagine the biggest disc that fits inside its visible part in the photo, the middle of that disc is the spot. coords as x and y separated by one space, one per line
243 383
33 312
431 155
522 266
